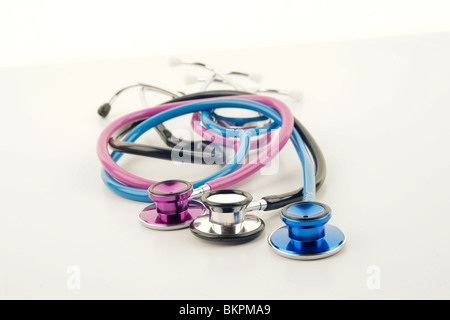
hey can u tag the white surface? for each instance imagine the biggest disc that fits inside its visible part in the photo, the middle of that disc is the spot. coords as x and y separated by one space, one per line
378 108
48 31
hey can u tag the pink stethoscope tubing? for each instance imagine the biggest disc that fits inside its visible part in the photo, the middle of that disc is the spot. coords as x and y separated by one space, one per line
242 173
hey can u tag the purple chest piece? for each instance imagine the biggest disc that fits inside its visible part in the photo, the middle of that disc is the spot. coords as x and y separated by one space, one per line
172 209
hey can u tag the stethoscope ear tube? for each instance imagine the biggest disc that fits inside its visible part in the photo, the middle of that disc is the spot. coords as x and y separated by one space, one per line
192 151
166 135
188 151
278 201
273 202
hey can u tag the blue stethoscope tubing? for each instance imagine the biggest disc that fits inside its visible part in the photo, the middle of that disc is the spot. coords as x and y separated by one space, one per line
309 178
239 157
142 194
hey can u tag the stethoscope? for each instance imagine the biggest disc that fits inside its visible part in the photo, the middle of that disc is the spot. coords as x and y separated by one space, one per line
211 211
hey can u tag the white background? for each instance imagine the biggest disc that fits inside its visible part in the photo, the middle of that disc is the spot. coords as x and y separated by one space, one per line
375 79
48 31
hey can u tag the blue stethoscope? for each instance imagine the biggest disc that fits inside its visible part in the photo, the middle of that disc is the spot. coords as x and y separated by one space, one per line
306 234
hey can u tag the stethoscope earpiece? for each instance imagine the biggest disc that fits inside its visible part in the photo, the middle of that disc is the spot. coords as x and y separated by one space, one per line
307 236
172 207
226 220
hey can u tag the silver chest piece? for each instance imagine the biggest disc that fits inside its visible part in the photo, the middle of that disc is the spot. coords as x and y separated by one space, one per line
226 220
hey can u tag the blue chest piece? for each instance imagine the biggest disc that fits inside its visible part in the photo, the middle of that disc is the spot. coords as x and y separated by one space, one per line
306 236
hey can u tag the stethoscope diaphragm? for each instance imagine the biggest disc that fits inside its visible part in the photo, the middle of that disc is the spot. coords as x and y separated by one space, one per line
227 220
